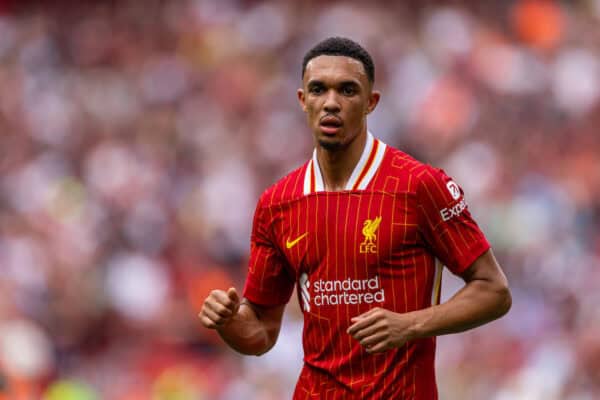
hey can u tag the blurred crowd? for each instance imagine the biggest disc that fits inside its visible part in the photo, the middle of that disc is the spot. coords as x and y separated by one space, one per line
136 137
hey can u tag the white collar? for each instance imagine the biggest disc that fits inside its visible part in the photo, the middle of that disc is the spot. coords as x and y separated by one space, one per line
361 176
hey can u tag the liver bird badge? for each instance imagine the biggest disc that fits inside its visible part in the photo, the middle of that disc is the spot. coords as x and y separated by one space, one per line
370 226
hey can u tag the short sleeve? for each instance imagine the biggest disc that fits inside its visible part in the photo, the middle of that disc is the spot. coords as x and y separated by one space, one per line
446 223
269 282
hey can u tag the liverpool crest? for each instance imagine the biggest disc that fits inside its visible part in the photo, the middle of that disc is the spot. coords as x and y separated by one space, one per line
370 226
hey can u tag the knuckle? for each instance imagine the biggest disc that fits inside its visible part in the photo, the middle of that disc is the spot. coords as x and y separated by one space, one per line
223 310
227 304
207 323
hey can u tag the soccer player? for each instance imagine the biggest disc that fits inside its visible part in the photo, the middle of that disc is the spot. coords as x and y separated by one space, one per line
363 230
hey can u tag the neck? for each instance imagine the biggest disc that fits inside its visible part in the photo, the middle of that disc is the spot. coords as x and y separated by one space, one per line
337 165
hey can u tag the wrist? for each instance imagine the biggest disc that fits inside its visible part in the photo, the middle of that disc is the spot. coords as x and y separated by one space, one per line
419 327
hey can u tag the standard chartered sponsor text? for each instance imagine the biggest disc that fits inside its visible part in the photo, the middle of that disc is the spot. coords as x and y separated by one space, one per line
348 291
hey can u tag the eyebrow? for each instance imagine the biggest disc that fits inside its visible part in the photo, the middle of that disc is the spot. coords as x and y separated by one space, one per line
315 82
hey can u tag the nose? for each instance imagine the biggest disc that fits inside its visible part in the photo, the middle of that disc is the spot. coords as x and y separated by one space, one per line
331 105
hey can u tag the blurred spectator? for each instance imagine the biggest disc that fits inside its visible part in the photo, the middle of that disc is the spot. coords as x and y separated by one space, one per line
135 138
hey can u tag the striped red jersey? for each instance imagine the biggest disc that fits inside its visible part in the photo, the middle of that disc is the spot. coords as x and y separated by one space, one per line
381 242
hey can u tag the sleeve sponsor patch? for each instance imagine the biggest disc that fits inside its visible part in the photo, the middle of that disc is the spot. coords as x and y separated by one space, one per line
453 189
453 211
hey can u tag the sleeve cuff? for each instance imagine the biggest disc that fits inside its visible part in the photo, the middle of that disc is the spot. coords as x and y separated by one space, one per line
474 253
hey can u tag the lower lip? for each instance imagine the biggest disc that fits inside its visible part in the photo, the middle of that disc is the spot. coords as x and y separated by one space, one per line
330 130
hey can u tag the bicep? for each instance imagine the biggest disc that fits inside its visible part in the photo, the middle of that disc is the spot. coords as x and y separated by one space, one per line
485 268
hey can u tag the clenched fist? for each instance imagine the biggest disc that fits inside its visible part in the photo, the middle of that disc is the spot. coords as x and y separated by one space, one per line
379 330
219 307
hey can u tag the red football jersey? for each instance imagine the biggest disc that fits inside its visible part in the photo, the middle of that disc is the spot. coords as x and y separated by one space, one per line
379 243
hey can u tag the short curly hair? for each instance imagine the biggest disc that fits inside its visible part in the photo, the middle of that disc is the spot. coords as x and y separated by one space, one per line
340 46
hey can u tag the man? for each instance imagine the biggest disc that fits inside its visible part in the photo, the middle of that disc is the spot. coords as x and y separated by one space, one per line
362 229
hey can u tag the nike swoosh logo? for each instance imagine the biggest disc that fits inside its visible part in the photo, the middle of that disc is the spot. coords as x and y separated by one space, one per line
289 244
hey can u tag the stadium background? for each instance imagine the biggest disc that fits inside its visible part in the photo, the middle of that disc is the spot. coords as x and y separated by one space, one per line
136 136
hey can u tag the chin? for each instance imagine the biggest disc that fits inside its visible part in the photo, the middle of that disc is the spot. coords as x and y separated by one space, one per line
330 145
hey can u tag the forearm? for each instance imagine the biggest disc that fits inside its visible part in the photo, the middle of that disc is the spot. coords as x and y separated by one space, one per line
477 303
246 333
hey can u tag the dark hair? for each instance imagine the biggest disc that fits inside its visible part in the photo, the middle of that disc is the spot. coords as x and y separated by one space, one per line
339 46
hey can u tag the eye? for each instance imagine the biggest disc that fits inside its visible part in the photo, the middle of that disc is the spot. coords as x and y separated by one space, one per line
316 89
348 90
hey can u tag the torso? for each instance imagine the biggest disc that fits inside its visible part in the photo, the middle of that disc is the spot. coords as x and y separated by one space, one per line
350 251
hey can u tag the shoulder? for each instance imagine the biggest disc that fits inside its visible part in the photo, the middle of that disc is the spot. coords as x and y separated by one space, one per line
433 190
413 172
288 188
434 186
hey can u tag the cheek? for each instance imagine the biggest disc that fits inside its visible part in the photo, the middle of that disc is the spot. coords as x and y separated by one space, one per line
357 110
312 109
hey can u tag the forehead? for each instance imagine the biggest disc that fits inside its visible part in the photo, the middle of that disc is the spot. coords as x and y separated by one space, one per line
324 68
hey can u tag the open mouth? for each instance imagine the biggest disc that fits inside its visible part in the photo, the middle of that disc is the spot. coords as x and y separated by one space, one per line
330 125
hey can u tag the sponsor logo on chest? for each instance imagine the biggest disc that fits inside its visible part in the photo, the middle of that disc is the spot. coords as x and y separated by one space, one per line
340 292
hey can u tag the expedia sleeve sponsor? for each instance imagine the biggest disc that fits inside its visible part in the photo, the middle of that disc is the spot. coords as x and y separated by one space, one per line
453 211
446 226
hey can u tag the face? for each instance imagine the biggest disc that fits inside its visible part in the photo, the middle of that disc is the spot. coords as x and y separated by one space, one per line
336 96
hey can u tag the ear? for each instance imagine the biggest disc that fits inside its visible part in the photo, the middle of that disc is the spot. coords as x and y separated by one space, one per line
301 99
373 101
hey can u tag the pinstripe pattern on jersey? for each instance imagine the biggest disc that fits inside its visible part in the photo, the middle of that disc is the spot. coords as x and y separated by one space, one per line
407 195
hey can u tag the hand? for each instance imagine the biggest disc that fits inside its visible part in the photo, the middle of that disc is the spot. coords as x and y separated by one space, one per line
379 330
219 307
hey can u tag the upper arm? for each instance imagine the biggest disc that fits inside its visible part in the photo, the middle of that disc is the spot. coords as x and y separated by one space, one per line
486 275
445 223
486 268
269 281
